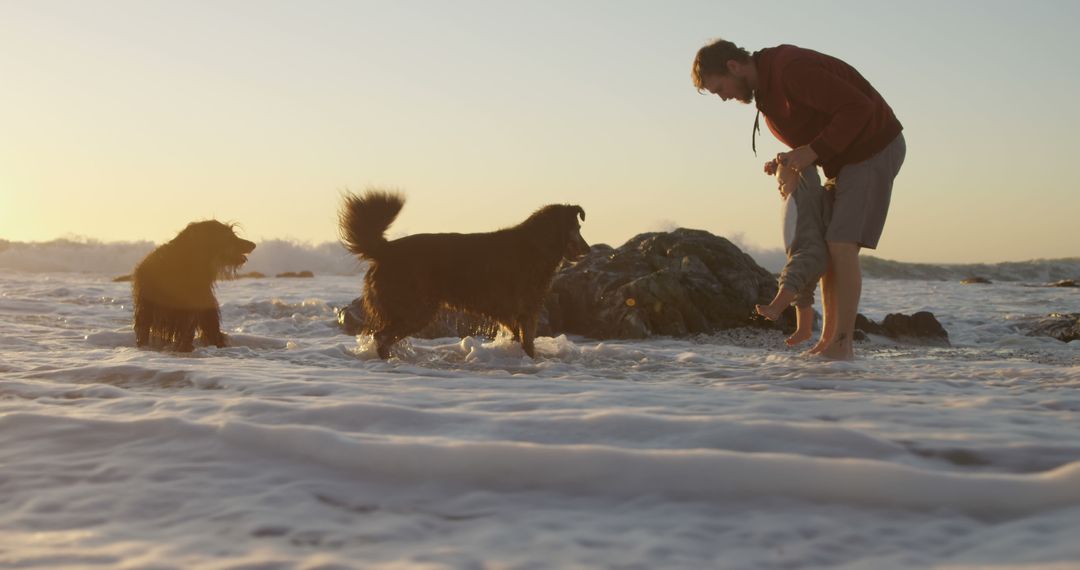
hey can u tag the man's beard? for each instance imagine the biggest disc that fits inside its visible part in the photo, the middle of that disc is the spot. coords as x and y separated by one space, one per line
746 94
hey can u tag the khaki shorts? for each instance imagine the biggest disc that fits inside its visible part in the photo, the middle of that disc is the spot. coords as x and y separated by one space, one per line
859 196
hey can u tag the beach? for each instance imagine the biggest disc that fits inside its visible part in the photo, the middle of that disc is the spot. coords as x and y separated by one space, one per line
295 447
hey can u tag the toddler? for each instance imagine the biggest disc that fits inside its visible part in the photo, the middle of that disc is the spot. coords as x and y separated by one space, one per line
804 243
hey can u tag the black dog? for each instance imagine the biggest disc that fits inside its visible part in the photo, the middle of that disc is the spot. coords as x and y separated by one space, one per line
173 286
503 275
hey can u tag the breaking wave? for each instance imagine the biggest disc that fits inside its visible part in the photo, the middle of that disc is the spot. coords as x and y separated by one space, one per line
270 257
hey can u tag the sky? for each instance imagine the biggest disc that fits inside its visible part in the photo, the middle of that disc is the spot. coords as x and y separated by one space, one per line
124 120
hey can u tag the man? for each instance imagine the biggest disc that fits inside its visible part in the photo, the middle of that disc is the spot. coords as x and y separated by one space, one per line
831 117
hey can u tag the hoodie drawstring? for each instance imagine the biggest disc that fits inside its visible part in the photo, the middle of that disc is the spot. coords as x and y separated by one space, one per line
755 131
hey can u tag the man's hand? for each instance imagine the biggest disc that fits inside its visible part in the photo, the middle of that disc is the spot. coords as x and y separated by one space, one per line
798 158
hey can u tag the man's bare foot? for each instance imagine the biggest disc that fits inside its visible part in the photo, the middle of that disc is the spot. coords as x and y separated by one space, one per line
770 311
801 335
818 347
839 350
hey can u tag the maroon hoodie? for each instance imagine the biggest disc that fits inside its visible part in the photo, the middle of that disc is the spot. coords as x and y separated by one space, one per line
811 98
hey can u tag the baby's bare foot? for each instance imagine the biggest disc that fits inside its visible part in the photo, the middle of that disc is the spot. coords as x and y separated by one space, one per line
801 335
768 311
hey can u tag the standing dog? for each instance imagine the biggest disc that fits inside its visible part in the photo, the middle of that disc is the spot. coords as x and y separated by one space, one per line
503 275
173 286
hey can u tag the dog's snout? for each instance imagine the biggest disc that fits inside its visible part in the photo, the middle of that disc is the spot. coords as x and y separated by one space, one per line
247 246
578 247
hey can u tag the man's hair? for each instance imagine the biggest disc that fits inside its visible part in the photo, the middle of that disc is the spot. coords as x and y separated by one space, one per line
712 60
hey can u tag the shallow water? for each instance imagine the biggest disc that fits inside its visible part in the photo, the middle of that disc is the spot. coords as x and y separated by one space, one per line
296 448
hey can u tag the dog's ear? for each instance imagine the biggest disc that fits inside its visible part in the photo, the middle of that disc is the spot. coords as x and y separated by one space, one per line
580 212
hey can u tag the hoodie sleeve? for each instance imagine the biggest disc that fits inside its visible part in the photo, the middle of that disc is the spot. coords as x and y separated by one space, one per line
848 109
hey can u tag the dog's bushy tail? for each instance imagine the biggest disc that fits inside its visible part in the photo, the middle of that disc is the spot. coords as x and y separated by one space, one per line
363 220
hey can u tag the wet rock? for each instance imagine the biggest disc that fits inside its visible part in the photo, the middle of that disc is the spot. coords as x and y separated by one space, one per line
919 328
352 317
976 281
1064 283
1062 326
122 279
867 326
676 283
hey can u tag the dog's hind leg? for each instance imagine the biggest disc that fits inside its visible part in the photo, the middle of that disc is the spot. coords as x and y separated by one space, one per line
402 324
210 327
387 337
143 320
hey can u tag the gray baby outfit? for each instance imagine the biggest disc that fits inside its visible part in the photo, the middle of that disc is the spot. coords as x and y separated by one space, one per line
804 237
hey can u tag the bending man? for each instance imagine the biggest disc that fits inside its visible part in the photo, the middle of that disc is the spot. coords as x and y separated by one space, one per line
830 116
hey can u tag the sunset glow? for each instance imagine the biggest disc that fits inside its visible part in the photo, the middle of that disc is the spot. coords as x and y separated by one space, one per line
126 120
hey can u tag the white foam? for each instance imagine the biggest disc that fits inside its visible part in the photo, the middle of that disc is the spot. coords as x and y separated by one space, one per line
683 474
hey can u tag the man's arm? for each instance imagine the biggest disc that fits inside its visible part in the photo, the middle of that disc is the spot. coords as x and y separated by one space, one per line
797 158
848 109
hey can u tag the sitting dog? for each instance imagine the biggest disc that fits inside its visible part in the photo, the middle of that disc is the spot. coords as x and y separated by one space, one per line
173 286
503 275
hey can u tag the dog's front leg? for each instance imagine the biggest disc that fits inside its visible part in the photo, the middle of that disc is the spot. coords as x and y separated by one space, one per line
143 320
210 326
185 333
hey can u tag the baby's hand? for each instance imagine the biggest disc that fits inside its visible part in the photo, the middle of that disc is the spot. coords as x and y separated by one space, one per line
770 167
788 178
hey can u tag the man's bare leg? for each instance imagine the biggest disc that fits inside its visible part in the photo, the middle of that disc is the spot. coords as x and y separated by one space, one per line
772 311
847 274
828 310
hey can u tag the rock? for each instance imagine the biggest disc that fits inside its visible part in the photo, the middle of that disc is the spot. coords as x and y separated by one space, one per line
919 328
252 275
921 325
122 279
867 326
1062 326
1064 283
299 274
676 283
351 318
976 281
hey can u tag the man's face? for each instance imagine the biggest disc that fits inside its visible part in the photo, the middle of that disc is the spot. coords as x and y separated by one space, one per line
729 86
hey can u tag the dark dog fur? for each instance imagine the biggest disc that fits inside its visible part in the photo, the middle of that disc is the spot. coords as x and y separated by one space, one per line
173 286
503 275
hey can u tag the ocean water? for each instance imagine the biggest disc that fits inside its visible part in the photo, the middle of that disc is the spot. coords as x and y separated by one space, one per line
295 447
